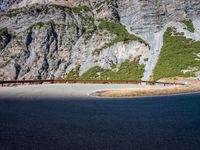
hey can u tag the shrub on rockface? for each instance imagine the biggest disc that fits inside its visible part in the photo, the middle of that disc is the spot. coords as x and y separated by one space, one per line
189 24
122 35
127 70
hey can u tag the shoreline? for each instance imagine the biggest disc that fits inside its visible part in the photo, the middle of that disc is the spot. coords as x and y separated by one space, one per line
98 91
146 92
150 96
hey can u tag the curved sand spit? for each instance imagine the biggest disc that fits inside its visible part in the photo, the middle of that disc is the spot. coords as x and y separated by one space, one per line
190 86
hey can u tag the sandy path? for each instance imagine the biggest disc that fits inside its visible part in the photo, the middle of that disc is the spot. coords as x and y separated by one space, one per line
59 90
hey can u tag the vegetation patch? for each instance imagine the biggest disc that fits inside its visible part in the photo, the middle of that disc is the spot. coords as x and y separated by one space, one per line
79 9
91 28
38 24
50 23
63 8
128 70
189 24
177 54
73 74
122 35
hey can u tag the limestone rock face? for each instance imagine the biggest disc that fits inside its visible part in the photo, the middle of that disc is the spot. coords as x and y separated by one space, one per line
42 39
149 20
144 16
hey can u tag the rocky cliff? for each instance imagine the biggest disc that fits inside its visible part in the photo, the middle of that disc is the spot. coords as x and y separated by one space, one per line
49 39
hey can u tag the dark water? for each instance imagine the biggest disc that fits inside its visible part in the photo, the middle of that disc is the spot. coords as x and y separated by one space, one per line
161 123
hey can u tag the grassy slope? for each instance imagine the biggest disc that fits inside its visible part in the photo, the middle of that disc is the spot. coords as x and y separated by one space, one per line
127 70
177 53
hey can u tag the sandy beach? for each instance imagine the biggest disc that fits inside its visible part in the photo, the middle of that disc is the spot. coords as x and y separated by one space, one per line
62 90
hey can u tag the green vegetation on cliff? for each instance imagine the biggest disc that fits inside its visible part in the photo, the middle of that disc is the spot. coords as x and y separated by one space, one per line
189 24
122 35
78 9
177 54
120 30
91 28
127 70
73 74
